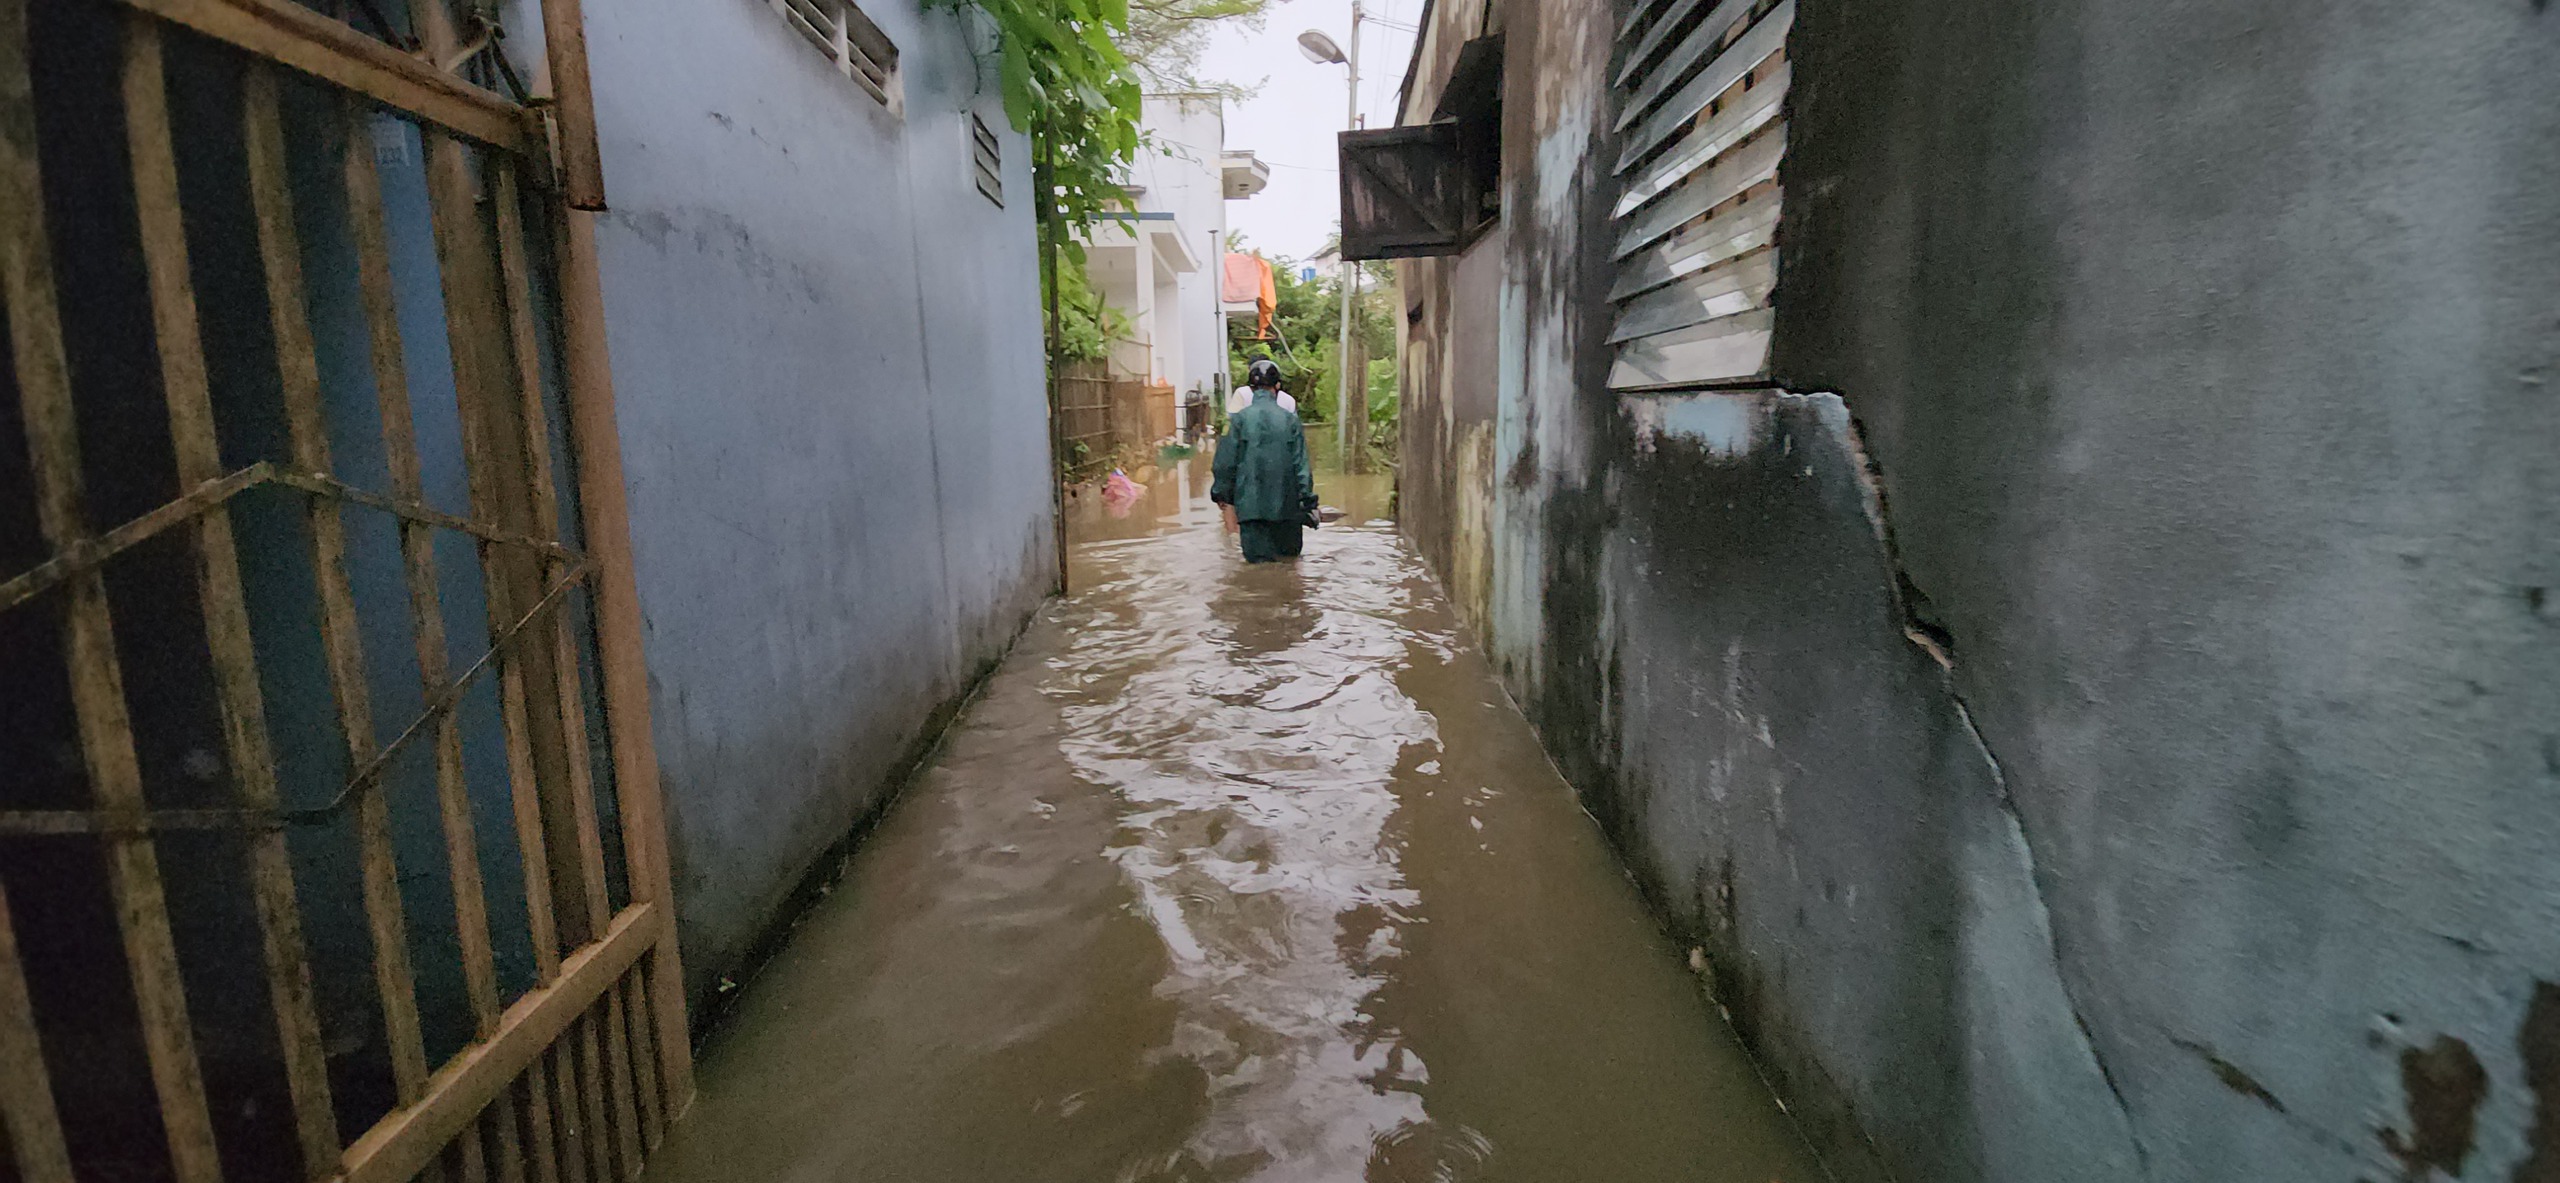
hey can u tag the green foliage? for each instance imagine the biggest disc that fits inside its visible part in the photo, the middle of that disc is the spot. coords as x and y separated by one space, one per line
1066 81
1308 324
1383 418
1087 327
1074 75
1166 38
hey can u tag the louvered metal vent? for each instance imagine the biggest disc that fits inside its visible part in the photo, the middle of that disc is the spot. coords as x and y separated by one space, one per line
850 40
986 160
1402 194
1701 87
1429 189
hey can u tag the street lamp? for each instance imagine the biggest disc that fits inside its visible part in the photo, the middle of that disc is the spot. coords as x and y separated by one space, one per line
1321 50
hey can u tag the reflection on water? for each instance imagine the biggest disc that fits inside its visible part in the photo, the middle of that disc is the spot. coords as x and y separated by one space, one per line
1238 874
1177 494
1255 754
1365 499
1172 490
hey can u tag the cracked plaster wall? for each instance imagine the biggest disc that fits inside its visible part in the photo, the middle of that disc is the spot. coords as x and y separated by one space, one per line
2126 750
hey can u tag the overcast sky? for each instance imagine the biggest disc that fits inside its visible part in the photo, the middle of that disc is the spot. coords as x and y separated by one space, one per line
1291 122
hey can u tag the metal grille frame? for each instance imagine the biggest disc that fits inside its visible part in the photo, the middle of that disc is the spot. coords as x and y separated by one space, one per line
576 1077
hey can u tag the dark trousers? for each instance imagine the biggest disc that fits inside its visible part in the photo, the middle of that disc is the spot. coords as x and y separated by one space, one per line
1269 542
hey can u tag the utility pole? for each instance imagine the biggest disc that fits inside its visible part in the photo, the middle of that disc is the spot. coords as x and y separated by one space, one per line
1045 191
1354 438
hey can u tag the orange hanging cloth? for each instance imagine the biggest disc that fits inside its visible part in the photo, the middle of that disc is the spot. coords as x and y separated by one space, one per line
1270 297
1246 279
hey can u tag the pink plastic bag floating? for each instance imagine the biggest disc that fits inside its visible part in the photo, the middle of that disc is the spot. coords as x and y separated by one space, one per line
1120 494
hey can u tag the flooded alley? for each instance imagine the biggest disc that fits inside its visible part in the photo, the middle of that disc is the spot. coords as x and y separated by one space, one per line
1233 874
623 593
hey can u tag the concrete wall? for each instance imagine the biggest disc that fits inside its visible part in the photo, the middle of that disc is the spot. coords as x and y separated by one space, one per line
826 349
2098 715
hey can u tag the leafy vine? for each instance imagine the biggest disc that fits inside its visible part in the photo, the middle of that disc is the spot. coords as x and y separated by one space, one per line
1066 81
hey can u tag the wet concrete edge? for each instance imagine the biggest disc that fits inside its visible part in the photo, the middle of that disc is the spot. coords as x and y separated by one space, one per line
828 867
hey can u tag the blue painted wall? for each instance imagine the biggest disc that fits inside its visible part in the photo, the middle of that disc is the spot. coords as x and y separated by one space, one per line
826 353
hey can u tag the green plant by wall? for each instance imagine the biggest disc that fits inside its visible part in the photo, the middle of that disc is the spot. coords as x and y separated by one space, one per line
1065 81
1087 327
1074 74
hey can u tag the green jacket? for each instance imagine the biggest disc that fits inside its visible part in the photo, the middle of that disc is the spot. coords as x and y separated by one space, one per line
1262 464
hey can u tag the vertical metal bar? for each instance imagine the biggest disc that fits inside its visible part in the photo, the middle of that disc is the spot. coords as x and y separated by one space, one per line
617 1062
432 21
470 1156
97 684
573 110
544 507
1047 195
498 430
510 1146
463 268
271 200
510 1135
535 1089
601 1078
570 1126
661 1036
609 1075
597 442
226 617
497 494
26 1096
516 291
644 1057
514 277
493 449
417 549
523 778
591 1088
501 1125
524 772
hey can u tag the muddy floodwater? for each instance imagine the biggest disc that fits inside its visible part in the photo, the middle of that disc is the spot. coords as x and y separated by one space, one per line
1233 874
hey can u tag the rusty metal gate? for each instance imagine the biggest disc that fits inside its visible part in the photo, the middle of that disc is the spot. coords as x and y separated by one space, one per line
174 1002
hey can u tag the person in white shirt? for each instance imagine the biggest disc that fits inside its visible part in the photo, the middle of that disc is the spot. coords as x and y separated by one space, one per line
1242 396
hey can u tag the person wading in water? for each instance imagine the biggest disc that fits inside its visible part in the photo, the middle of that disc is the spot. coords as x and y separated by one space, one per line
1260 478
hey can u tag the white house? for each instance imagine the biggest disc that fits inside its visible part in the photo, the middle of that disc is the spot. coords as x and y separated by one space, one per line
1159 264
